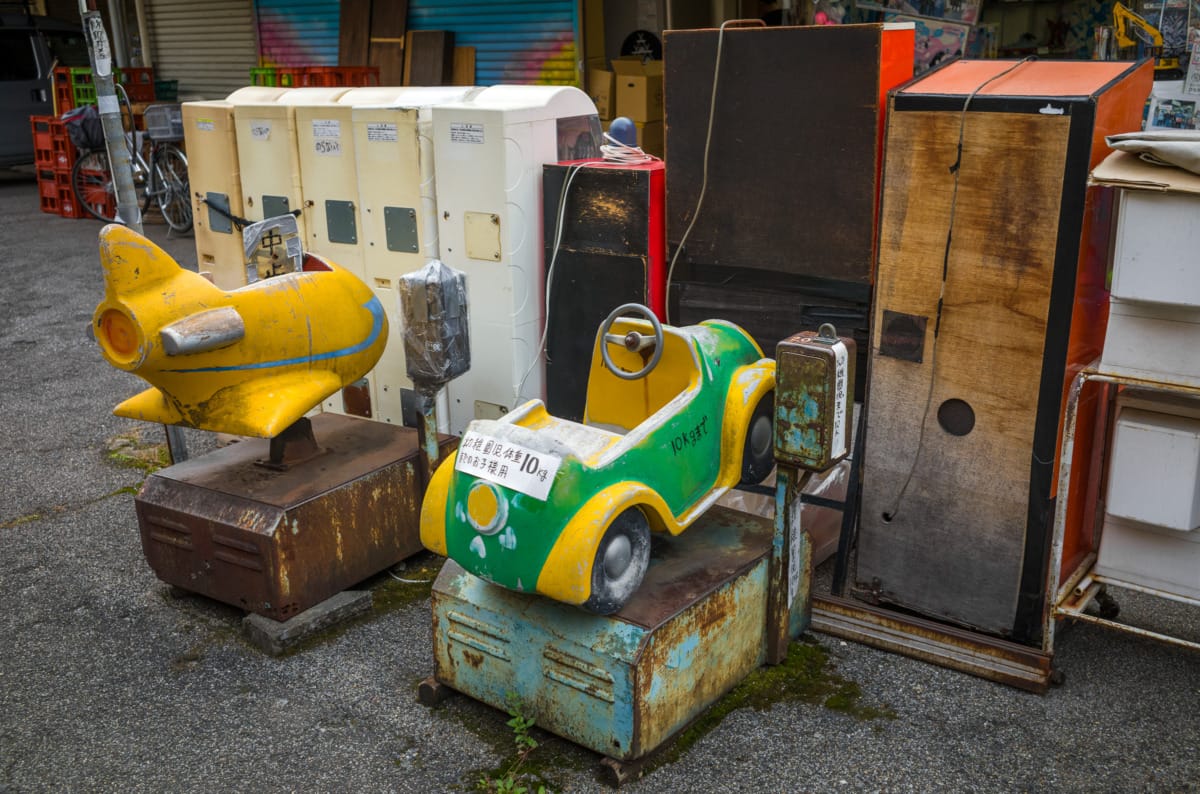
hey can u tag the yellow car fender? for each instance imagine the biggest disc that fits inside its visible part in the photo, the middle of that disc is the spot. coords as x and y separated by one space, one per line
434 506
567 573
750 383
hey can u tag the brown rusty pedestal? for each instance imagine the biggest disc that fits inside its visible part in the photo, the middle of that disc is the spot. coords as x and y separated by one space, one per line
278 542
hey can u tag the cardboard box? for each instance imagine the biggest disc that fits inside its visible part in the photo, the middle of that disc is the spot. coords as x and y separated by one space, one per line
639 89
650 137
601 87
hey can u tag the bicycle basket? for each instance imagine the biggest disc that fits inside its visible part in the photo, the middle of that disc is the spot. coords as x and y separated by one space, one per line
164 122
84 127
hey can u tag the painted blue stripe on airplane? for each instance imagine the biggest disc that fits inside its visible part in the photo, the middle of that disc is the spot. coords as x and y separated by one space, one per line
373 306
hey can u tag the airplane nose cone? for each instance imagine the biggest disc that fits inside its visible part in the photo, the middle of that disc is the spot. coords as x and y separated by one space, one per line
119 337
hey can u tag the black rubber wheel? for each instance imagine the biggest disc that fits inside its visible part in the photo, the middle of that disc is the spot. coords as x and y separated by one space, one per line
92 183
758 452
621 562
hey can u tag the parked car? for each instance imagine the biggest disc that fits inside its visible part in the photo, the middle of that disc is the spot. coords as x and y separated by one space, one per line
30 48
674 418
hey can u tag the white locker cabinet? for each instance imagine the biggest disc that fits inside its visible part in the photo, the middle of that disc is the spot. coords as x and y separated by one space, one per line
1153 341
1143 555
397 211
1151 534
215 181
269 154
488 153
1156 251
1154 467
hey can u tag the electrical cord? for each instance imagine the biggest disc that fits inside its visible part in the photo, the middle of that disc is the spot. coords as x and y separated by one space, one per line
712 107
615 154
956 169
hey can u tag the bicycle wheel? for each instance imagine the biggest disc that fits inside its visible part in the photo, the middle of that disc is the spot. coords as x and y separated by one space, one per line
92 184
169 186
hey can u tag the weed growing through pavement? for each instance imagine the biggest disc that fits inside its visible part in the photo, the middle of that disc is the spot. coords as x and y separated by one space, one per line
511 781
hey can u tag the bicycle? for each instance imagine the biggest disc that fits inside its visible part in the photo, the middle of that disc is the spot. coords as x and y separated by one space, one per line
160 176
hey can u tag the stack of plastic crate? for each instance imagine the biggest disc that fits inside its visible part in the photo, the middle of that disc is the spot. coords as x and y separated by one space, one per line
294 76
284 76
341 75
138 83
54 157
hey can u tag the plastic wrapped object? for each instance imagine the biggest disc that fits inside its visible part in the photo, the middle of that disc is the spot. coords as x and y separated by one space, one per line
433 304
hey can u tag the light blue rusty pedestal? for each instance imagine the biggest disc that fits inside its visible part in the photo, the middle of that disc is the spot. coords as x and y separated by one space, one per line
624 684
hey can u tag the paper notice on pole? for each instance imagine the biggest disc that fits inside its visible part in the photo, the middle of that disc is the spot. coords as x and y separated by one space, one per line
504 463
841 399
100 54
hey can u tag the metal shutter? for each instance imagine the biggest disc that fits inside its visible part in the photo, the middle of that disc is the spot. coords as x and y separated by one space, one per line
208 47
298 32
517 41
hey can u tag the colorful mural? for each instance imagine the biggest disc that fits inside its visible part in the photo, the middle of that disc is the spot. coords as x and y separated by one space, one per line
519 41
297 32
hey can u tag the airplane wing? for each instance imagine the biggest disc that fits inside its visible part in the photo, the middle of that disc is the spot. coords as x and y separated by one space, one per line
264 407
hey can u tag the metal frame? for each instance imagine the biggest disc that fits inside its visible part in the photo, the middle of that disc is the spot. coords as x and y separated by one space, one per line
1077 590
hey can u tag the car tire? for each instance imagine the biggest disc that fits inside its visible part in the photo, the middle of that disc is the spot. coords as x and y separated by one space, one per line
621 561
758 450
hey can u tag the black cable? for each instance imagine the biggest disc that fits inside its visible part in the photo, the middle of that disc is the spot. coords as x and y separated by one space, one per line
955 169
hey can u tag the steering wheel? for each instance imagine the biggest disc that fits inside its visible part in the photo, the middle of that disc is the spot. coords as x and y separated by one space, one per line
632 341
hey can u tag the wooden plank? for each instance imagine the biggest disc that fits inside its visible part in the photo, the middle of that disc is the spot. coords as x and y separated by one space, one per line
389 22
464 66
955 546
354 32
429 57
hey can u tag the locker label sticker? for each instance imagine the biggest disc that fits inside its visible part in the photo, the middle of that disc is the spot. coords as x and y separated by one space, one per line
206 125
382 132
511 465
327 128
327 146
260 130
466 133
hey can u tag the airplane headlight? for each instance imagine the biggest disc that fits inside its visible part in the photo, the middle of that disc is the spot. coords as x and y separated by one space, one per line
487 508
119 336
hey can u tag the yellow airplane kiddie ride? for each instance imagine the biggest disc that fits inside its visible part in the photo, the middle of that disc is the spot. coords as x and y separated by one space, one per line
304 508
189 340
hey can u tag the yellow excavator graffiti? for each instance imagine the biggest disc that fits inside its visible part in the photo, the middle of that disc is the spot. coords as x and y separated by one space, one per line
1131 28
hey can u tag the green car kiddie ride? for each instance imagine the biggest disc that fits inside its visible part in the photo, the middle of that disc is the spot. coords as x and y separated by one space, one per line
674 418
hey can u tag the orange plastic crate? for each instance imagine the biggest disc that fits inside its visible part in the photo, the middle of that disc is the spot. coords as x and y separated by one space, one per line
41 131
48 191
341 75
68 207
138 83
61 146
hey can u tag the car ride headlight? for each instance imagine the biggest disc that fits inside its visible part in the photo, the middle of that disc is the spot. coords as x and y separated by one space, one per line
487 508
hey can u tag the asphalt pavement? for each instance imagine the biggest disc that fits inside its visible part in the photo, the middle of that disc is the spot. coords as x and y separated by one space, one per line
110 682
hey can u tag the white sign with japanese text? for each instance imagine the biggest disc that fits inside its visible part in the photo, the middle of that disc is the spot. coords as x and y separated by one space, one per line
504 463
841 399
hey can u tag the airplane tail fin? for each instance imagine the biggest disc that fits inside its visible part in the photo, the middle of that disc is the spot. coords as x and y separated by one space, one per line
132 263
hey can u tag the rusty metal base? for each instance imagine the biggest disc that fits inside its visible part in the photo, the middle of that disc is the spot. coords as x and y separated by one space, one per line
278 542
622 684
937 643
